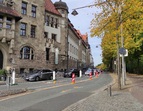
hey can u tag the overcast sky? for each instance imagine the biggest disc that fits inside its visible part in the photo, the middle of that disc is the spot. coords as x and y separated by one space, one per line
82 22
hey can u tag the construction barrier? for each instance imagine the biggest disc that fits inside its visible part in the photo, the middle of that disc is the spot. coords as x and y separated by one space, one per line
96 74
90 76
73 78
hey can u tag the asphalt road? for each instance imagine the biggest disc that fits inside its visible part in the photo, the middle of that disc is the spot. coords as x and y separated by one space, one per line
54 97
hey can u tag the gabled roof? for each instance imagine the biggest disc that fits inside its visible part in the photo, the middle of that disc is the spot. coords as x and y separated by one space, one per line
9 11
83 37
49 6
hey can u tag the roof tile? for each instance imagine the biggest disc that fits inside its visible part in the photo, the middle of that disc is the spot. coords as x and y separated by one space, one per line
9 11
49 6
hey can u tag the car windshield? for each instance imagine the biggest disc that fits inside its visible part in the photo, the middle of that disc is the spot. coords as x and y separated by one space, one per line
89 70
70 70
35 71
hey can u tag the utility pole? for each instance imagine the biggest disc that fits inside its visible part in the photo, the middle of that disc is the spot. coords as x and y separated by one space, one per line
122 45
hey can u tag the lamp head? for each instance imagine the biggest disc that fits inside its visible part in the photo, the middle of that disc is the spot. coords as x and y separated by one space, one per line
74 12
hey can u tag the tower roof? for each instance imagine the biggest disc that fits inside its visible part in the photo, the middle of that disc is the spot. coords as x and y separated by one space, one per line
61 5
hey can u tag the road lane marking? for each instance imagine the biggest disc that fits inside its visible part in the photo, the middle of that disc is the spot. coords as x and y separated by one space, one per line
41 89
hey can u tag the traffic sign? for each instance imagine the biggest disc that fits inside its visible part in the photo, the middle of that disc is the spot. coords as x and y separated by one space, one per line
122 51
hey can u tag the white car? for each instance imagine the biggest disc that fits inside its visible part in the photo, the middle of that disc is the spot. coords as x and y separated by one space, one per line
87 72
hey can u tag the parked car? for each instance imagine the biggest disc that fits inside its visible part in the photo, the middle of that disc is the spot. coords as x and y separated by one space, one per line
87 72
70 72
39 74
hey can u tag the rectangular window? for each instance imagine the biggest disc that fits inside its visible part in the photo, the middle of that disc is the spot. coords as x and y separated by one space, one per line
8 26
33 31
54 37
8 23
1 25
33 11
23 29
1 18
24 8
47 53
47 20
56 23
45 34
9 20
52 22
21 70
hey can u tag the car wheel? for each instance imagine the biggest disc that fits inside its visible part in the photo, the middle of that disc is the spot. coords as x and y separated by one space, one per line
37 78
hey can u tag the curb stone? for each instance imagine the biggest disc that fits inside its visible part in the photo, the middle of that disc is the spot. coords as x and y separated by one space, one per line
12 92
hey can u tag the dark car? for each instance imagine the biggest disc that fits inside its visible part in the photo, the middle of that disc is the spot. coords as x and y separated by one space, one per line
70 72
39 74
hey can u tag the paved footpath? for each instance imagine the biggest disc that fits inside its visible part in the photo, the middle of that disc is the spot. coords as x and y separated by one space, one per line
130 98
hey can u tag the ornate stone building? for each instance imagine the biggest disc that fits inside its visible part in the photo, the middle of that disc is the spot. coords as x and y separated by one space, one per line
38 34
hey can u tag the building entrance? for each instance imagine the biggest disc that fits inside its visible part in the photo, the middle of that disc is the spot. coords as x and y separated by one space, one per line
1 60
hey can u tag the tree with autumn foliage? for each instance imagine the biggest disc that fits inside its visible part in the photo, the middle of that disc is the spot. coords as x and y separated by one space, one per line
112 15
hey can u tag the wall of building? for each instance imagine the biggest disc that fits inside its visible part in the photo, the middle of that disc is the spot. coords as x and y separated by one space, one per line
68 51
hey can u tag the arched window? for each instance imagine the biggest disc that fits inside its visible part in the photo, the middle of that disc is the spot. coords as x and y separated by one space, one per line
26 53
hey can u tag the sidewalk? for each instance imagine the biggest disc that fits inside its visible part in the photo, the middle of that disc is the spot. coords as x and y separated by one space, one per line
130 98
7 92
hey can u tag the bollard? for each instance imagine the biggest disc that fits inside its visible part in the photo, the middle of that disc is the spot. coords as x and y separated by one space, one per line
13 76
80 73
54 76
109 90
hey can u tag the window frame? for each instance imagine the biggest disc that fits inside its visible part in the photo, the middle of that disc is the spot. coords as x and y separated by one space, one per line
45 34
27 53
47 20
1 25
54 37
33 31
23 30
56 22
52 21
8 23
24 8
33 11
47 54
1 18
